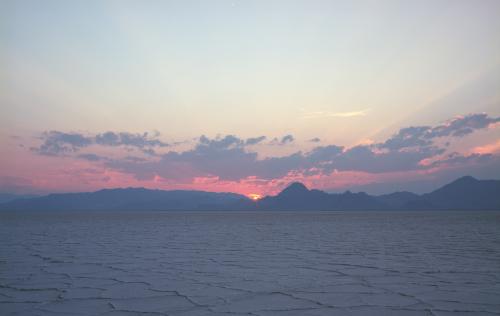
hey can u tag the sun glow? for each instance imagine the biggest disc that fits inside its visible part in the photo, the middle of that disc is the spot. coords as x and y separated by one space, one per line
255 196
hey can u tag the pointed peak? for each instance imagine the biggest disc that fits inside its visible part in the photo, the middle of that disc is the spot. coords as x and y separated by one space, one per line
462 183
297 186
466 179
294 188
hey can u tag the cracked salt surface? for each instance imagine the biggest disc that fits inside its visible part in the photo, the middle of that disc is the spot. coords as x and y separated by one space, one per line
250 263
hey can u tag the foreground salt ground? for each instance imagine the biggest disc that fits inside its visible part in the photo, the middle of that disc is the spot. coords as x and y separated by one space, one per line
250 263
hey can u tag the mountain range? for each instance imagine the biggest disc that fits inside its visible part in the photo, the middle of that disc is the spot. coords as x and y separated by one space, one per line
7 197
466 193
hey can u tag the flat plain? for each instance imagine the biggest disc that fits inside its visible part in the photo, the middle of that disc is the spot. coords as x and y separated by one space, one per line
250 263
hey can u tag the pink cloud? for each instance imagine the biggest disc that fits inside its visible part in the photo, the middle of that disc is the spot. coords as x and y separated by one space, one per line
224 164
492 148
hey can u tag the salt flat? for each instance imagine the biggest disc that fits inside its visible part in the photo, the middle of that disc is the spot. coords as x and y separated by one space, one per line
250 263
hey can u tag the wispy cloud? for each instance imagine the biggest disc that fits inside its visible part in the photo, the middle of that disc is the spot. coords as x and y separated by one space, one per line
322 114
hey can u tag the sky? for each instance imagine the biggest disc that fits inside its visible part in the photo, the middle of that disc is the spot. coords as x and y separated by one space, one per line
248 96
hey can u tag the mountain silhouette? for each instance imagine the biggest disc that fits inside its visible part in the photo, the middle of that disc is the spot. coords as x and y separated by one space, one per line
466 193
6 197
128 199
293 190
298 197
398 199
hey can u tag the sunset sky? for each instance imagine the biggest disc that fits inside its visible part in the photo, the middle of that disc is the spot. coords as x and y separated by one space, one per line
248 96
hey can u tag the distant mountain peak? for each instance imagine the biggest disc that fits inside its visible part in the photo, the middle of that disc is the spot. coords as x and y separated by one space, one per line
463 182
297 185
294 188
466 179
466 193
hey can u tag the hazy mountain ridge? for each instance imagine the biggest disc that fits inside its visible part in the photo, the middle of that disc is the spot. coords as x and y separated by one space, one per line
127 199
466 193
7 197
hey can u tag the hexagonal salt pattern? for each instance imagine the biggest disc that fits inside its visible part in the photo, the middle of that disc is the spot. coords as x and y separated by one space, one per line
250 263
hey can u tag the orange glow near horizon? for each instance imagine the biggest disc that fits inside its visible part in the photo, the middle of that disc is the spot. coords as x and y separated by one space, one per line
255 196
